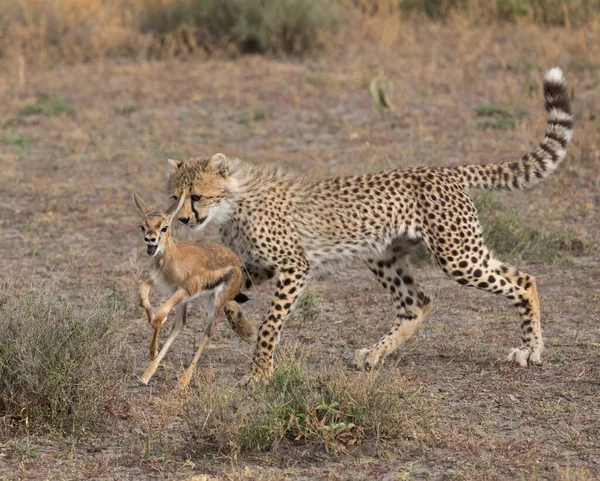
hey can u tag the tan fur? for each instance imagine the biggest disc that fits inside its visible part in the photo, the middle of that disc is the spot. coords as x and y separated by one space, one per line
187 270
280 223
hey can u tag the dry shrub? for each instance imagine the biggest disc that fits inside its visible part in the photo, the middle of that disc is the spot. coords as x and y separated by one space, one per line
60 365
49 31
545 12
249 26
330 408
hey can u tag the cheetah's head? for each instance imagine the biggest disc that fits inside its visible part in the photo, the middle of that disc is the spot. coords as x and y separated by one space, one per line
205 182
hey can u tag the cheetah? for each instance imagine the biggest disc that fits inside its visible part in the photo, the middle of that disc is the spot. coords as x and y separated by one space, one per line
284 225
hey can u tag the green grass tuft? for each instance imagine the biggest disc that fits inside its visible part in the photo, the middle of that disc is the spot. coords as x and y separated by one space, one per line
506 233
49 106
19 140
491 111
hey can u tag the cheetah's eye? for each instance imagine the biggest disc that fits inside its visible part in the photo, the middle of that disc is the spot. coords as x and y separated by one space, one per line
174 197
196 198
142 227
165 228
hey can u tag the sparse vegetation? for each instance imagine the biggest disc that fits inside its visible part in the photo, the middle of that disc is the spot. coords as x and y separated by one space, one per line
546 12
48 105
330 408
57 31
507 234
494 118
291 26
59 365
308 306
15 139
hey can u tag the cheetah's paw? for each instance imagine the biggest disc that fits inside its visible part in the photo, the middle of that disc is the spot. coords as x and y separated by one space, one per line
366 360
523 357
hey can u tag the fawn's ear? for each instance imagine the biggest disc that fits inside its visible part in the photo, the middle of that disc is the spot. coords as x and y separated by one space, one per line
140 204
175 164
220 164
174 208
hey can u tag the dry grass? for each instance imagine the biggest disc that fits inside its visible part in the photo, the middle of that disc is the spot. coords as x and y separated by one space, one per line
327 408
60 365
36 33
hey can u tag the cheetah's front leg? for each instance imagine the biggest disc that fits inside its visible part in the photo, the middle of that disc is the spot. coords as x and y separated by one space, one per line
291 283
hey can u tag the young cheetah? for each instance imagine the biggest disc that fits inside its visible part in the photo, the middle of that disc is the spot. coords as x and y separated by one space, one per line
280 223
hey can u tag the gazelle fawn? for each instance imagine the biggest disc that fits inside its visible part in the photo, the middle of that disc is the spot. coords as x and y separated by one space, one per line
187 270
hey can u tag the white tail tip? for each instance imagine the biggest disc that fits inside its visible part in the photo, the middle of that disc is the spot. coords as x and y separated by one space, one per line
554 75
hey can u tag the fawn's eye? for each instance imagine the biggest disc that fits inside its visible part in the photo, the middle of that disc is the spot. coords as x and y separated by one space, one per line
142 227
165 228
196 198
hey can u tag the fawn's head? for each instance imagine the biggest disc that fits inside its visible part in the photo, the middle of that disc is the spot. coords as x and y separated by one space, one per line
206 183
156 225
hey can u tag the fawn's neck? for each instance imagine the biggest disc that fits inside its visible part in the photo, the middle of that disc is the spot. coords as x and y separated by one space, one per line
168 253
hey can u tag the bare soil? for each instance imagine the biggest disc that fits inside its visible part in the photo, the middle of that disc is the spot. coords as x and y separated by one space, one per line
66 212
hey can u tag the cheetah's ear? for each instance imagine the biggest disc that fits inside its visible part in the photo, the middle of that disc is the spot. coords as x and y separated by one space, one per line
140 204
219 161
175 163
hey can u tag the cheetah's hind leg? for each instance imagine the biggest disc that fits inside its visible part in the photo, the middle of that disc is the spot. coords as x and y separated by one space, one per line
412 305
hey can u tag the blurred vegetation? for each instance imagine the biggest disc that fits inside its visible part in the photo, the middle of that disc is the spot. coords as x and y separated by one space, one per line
546 12
51 31
252 26
58 364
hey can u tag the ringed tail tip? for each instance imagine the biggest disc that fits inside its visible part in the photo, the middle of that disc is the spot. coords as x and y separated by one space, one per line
554 76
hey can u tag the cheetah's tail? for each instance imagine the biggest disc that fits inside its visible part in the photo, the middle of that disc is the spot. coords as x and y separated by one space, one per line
538 164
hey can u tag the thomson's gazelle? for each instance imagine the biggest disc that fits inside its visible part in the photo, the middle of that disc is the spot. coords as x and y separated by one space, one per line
188 270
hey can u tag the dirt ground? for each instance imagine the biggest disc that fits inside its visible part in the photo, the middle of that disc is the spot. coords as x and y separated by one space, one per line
66 212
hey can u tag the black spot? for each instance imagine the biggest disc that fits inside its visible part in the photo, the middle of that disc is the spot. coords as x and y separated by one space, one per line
241 298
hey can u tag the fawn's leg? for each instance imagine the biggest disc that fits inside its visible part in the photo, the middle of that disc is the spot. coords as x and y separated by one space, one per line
143 292
156 323
180 319
219 298
161 315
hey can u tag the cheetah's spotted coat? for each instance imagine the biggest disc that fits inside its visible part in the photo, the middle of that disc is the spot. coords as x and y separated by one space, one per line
280 224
